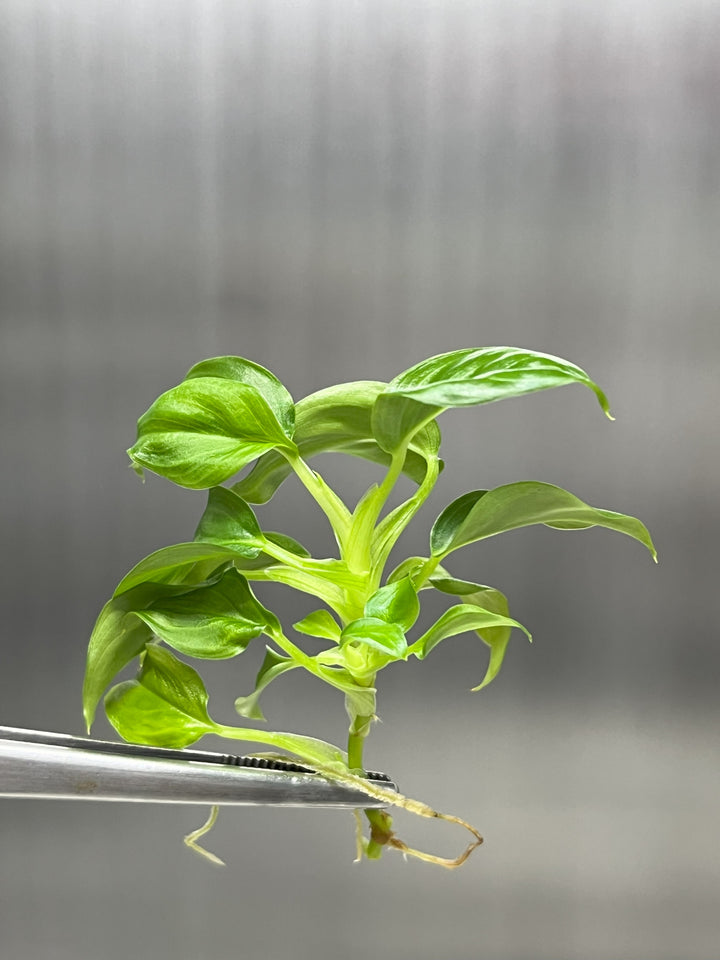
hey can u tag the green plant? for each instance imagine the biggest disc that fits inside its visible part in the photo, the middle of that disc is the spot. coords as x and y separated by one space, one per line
195 597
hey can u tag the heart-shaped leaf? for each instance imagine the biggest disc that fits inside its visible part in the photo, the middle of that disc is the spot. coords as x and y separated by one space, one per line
212 622
320 623
252 374
337 419
166 706
272 666
484 513
466 378
395 603
387 638
201 432
230 522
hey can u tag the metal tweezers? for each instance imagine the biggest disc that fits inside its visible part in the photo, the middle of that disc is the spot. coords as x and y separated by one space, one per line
56 766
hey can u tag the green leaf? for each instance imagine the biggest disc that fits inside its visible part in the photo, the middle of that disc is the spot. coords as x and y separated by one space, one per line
166 706
252 374
465 617
487 598
484 513
408 568
117 638
320 623
180 563
337 419
230 522
387 638
272 666
395 603
466 378
213 622
203 431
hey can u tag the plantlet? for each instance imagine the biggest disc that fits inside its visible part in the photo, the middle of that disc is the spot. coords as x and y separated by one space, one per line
194 598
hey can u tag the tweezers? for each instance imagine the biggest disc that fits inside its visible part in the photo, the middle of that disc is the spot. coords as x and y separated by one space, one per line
34 764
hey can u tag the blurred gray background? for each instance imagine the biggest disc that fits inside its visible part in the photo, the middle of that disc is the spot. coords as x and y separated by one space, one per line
337 190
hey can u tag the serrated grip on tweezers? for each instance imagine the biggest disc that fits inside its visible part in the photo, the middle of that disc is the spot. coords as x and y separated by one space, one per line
35 764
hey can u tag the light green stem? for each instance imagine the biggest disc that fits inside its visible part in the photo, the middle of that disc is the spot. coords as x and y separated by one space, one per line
328 501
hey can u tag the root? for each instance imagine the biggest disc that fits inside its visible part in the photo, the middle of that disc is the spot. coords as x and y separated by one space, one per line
417 807
191 839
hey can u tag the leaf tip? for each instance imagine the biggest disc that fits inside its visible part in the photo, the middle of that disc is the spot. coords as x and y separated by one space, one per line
135 466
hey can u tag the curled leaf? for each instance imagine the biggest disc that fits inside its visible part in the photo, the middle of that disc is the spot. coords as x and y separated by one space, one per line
272 666
485 513
464 617
464 378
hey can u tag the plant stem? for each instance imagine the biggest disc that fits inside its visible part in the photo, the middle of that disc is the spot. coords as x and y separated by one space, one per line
328 501
356 742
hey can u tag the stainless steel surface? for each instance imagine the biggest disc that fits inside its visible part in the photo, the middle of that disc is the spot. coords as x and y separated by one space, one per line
52 771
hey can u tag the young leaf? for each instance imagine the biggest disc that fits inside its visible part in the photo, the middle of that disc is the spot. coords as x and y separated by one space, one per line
201 432
465 617
484 513
252 374
181 563
212 622
387 638
337 419
272 666
166 706
466 378
487 598
395 603
320 623
230 522
408 568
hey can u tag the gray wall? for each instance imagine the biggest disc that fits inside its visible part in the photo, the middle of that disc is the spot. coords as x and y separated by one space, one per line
337 190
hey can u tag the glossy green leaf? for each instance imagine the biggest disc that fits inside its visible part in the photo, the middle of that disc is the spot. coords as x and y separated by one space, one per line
166 706
337 419
180 563
320 623
387 638
118 636
212 622
245 371
409 567
230 522
395 603
272 666
484 513
463 618
203 431
464 378
487 598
